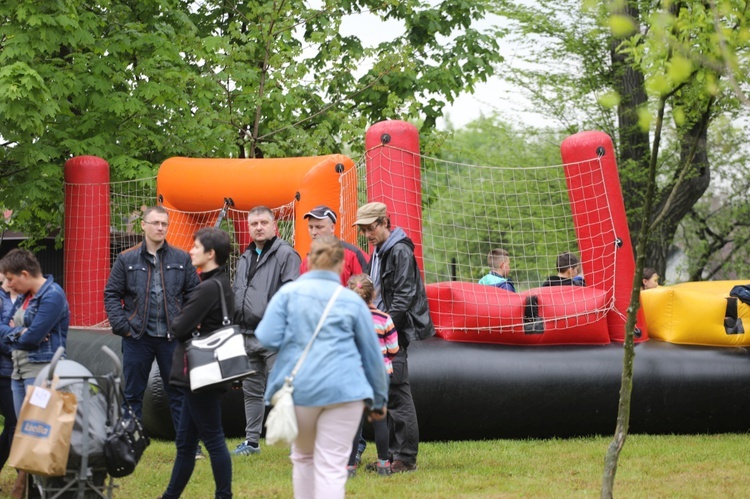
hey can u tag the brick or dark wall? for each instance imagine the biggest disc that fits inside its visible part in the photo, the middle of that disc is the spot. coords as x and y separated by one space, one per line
50 259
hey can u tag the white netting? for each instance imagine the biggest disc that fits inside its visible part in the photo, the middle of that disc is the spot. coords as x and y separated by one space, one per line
467 211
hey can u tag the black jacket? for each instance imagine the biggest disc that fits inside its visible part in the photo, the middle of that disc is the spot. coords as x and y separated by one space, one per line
202 314
403 293
126 296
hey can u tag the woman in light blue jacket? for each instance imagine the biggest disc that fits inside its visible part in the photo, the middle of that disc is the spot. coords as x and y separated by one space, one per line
342 374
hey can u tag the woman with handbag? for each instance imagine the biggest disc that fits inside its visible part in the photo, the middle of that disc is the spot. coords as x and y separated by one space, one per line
337 368
201 412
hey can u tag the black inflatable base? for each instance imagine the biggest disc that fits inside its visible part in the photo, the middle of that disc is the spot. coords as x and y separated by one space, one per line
468 391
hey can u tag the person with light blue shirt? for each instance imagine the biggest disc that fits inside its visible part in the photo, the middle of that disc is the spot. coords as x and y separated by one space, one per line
499 261
343 373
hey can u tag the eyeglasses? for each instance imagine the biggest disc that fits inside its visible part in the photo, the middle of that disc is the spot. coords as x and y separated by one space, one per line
369 228
158 224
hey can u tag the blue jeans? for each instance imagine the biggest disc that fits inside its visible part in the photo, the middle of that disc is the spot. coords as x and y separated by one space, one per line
137 357
201 419
18 387
7 407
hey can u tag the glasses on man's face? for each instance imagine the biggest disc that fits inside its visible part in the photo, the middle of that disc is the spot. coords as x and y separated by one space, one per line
158 224
369 228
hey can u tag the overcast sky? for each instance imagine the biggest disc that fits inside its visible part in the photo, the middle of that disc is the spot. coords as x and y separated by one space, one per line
489 97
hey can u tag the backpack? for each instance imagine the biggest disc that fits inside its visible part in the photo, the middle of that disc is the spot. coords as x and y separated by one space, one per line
742 292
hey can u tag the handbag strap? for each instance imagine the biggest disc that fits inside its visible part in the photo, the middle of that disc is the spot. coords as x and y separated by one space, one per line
225 321
290 378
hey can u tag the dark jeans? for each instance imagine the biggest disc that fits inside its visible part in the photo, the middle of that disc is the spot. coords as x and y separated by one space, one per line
137 357
201 419
402 416
380 429
9 412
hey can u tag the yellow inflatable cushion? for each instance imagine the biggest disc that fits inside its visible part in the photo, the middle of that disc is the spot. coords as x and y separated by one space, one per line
693 313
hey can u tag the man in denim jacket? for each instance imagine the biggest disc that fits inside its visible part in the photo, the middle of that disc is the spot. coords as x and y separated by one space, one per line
146 290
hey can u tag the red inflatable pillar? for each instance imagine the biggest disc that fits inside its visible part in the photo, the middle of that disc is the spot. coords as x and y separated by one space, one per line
600 222
394 178
86 255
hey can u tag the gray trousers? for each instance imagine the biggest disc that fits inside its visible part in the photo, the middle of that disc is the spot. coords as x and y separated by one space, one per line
254 386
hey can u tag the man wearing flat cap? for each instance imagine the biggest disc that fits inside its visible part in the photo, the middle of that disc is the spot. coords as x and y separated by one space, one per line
401 293
321 221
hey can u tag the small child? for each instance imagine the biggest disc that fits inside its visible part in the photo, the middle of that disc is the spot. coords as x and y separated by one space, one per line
498 260
388 339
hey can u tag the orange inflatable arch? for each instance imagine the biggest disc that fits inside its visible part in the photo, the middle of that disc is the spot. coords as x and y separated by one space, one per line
194 190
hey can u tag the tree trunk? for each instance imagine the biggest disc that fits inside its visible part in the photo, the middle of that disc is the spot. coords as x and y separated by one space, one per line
671 210
612 458
633 143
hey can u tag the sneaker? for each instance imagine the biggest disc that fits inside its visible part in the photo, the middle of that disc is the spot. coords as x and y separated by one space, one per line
384 468
351 472
357 459
245 449
399 466
199 454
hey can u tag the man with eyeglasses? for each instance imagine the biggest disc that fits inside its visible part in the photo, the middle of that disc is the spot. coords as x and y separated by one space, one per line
400 292
145 291
321 221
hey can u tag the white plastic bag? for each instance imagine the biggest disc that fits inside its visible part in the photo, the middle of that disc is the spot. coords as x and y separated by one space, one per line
281 424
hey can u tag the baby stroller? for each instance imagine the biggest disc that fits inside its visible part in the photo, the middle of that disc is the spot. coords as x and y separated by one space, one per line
98 405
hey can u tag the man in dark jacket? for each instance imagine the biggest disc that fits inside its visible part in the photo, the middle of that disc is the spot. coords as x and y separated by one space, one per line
145 292
266 265
400 293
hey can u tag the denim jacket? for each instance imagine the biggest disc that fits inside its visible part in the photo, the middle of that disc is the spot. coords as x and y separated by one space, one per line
46 320
344 364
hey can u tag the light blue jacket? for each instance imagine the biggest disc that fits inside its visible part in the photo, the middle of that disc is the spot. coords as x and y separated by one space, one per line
345 363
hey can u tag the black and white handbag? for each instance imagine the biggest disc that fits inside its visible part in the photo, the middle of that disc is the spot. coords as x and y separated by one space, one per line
219 357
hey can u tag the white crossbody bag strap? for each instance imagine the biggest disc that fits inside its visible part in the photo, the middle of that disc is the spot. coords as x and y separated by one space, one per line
290 378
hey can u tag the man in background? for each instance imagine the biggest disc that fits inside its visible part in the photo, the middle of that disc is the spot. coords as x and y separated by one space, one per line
321 221
400 292
268 263
146 289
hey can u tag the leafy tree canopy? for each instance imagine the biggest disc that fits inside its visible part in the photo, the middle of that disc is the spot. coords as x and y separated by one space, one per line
654 76
138 81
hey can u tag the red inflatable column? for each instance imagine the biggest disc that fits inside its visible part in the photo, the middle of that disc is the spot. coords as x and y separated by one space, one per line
86 257
394 178
600 222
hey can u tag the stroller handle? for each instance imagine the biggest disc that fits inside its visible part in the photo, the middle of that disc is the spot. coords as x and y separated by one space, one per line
53 364
115 359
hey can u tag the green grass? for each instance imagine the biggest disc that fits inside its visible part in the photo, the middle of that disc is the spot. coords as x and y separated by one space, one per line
698 466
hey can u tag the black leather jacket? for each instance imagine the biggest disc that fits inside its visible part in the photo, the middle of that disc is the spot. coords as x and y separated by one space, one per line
403 293
126 297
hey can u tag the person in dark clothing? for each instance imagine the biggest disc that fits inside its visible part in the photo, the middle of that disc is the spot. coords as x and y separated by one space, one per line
145 291
268 263
400 292
568 272
8 299
200 417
